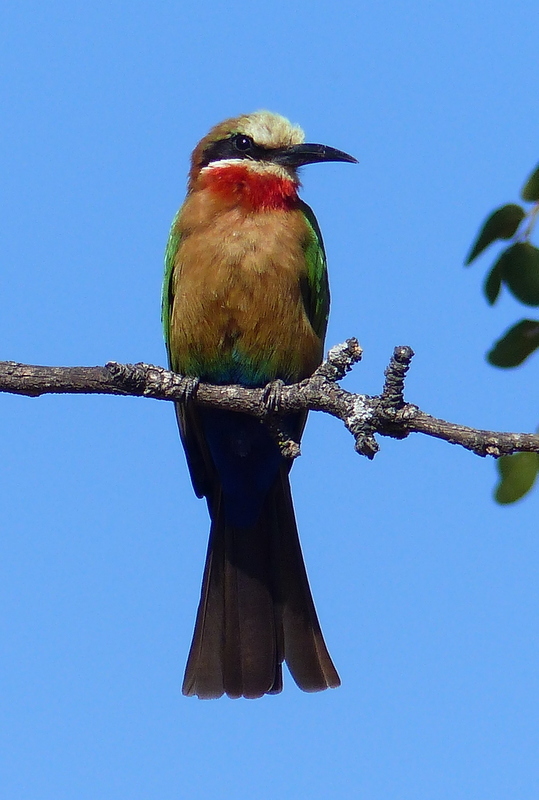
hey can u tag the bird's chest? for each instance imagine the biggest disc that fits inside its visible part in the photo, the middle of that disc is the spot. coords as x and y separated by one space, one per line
244 275
237 311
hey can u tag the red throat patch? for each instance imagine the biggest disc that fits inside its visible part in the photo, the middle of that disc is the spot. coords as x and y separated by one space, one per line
256 190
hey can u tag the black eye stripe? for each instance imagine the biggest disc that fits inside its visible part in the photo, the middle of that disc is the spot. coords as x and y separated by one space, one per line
236 146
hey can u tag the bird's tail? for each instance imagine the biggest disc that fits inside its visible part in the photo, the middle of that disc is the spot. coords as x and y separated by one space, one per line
256 609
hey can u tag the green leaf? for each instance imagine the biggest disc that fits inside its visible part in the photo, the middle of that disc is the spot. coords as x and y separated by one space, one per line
493 284
502 224
517 476
519 266
530 190
516 344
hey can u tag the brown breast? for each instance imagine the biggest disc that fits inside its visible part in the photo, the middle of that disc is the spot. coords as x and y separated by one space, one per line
236 289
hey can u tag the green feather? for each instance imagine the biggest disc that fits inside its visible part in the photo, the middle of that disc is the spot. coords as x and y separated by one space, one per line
315 289
168 295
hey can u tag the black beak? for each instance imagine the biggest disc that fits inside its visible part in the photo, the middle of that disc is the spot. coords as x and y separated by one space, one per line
299 154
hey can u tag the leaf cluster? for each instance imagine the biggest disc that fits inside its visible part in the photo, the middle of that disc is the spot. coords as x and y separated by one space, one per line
516 268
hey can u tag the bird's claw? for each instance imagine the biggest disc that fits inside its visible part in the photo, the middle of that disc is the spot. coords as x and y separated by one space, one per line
188 388
273 392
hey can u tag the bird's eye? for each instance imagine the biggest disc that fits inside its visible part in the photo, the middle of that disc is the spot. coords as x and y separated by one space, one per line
242 142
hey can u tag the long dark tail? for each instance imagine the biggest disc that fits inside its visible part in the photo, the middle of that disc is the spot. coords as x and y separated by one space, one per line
256 609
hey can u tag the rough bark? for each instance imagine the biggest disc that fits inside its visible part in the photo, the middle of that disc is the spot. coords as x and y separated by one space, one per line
386 414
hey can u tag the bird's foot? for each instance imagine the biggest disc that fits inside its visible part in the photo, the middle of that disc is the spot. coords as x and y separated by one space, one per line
188 388
272 395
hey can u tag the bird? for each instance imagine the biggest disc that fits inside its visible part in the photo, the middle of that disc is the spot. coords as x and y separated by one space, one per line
246 301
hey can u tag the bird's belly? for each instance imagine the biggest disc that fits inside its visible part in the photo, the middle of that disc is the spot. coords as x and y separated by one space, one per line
238 314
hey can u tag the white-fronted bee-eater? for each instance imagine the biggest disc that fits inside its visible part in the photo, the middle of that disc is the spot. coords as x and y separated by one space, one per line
246 302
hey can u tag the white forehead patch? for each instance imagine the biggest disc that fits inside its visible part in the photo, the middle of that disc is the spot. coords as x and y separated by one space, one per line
270 130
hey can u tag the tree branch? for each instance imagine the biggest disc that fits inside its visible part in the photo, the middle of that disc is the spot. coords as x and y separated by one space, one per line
386 414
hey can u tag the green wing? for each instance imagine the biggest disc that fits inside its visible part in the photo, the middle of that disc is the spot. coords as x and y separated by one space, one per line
168 293
198 459
315 286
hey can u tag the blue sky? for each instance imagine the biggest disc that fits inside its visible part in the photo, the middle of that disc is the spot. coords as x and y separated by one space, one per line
427 591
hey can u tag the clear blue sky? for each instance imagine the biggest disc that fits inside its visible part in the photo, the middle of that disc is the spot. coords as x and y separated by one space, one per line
427 591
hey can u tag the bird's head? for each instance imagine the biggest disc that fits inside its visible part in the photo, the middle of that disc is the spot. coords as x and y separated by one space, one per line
244 154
